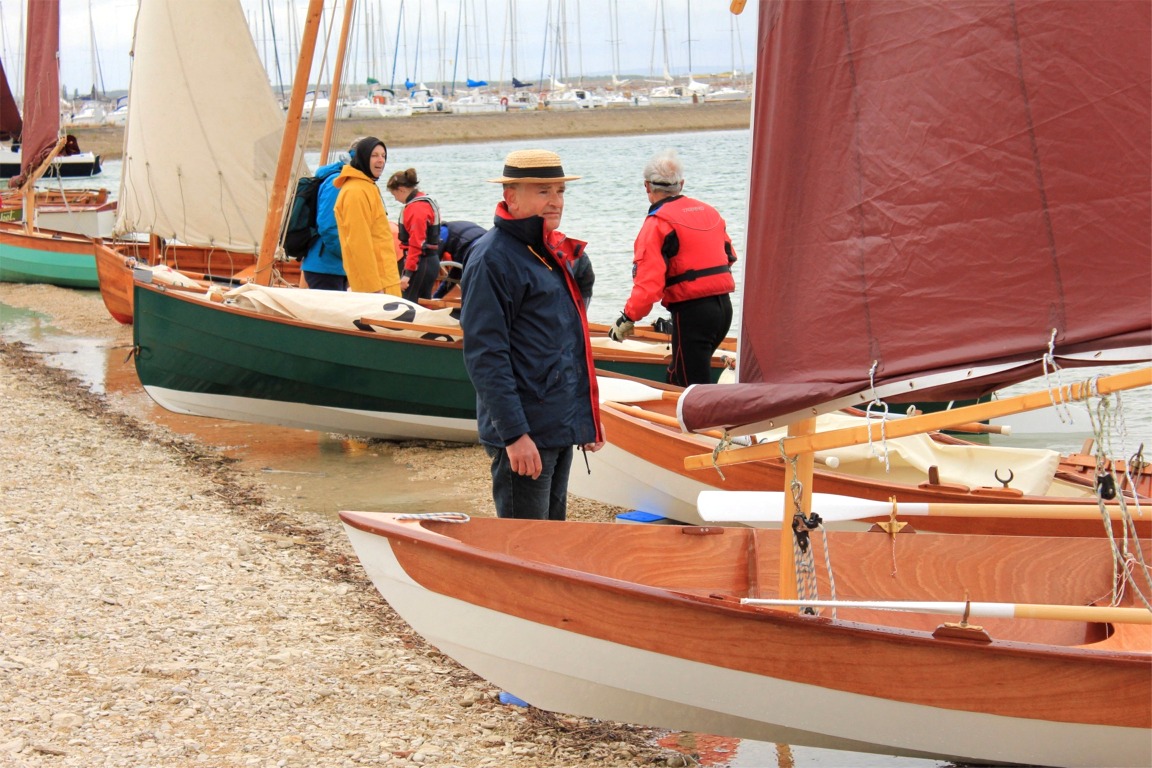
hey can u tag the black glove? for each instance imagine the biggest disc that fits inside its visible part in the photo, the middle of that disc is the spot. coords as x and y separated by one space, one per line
662 325
622 328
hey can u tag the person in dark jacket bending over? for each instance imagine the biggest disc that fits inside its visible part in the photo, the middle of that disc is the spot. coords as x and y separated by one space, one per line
526 343
683 258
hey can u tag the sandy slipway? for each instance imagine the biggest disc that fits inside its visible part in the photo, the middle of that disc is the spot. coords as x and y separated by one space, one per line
162 608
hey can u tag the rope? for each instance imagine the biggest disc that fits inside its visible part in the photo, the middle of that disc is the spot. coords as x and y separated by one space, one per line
807 587
1052 371
722 445
876 401
1127 559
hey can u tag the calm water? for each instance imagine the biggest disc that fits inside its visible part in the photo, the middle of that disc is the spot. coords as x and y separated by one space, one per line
605 208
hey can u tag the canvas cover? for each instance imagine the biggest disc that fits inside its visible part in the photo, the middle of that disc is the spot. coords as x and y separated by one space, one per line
937 187
204 128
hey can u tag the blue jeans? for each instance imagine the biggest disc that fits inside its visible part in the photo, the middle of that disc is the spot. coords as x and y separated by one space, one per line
545 498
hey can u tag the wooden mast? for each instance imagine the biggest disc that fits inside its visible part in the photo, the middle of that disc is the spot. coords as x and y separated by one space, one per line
337 82
29 188
799 473
284 163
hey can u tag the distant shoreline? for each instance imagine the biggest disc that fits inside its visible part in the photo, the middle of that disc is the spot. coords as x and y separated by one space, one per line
538 125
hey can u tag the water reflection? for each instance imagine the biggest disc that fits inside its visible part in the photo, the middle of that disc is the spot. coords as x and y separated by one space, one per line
317 473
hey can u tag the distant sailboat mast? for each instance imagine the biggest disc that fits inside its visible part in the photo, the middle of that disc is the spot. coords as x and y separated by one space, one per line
690 39
614 31
97 79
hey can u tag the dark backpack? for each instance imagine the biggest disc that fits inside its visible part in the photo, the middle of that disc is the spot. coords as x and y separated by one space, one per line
301 231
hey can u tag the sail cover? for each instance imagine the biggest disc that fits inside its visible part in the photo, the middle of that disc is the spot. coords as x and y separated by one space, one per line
41 84
937 188
203 130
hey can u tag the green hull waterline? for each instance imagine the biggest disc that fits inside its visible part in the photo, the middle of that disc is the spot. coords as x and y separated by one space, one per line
21 264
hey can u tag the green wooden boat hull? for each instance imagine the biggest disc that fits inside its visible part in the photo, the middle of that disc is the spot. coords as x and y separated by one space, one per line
43 258
213 360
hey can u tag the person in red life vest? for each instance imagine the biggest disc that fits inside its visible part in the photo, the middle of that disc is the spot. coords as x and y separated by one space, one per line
419 235
683 258
526 345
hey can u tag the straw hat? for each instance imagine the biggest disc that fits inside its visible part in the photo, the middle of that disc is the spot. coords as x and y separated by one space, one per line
537 166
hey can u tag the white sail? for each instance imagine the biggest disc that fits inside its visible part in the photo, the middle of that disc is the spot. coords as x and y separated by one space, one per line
203 130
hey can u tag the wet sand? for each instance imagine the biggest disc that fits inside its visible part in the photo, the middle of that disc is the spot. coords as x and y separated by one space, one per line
539 125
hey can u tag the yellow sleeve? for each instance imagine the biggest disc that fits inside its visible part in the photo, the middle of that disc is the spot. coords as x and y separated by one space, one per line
386 253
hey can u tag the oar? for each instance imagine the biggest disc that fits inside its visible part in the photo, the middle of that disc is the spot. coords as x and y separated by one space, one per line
767 507
1089 613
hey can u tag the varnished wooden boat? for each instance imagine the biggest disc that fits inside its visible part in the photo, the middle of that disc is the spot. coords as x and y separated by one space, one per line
196 266
644 624
642 467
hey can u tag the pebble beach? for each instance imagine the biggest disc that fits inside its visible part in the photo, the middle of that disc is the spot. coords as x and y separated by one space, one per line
164 608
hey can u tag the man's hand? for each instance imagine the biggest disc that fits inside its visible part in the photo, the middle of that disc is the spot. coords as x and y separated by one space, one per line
622 328
524 457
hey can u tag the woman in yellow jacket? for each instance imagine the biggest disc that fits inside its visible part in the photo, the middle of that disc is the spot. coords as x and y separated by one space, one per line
365 235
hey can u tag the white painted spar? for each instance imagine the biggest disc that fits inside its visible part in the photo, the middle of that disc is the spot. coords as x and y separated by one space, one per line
765 508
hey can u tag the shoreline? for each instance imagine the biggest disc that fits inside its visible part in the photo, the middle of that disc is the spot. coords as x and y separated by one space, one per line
168 607
447 128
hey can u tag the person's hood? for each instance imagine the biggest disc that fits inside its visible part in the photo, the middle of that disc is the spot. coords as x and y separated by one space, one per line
362 157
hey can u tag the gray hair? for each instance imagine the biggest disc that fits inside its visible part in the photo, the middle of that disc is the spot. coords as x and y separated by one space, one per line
665 172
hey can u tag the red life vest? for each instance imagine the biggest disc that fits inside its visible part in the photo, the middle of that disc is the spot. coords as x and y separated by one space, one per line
699 257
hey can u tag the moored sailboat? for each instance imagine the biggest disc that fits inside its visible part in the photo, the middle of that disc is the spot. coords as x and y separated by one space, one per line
907 160
199 189
29 254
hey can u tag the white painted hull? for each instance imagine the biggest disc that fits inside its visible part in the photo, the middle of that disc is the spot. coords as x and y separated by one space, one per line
371 111
626 480
384 426
477 107
563 671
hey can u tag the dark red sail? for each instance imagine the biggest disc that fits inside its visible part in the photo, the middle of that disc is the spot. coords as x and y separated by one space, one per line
936 189
10 122
41 83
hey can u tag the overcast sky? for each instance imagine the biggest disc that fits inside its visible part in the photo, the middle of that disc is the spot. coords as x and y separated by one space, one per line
702 31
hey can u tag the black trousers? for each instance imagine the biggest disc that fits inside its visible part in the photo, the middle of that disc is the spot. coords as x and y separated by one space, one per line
698 328
420 285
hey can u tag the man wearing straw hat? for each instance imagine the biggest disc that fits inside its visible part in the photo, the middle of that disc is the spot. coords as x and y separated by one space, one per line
526 343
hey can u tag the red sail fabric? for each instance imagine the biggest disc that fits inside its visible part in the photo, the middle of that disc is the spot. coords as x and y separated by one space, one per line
41 83
10 122
937 186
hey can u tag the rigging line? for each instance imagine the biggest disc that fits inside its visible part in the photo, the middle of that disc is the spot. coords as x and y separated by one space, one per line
1125 556
1057 277
858 167
883 419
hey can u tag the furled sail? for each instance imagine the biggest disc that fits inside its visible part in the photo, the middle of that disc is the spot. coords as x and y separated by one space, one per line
940 194
203 130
